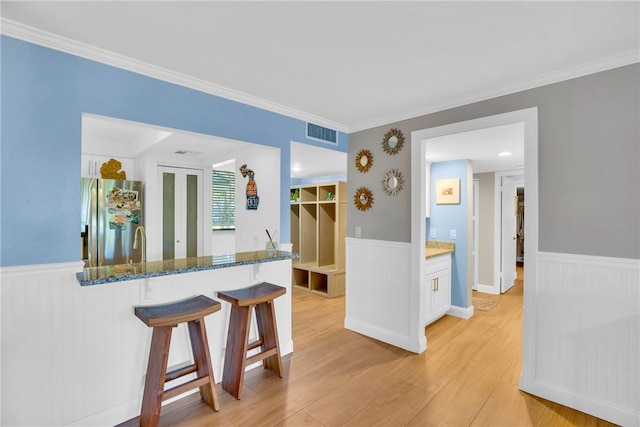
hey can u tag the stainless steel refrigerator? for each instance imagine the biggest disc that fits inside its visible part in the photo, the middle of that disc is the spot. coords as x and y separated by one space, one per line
110 217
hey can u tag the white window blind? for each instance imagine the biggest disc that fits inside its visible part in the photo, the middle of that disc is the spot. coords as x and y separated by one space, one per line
223 200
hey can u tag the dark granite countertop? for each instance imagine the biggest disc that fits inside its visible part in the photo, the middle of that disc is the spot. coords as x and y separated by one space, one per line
144 270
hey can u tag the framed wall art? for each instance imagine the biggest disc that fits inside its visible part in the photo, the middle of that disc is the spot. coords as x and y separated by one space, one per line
448 191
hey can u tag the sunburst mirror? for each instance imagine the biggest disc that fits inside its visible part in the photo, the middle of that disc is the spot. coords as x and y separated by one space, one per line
363 199
364 160
393 141
393 182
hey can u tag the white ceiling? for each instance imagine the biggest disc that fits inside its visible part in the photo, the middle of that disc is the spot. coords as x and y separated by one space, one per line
345 65
483 147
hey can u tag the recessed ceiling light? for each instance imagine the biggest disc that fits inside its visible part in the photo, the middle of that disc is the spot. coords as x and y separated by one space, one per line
296 168
505 153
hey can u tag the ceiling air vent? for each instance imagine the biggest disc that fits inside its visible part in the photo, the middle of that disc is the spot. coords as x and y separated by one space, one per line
319 133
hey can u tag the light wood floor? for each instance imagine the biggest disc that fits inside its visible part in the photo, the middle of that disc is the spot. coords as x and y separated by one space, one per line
467 377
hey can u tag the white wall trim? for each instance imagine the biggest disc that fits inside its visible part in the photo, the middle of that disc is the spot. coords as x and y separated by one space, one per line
600 261
461 312
381 334
488 289
83 50
586 404
587 342
380 295
18 270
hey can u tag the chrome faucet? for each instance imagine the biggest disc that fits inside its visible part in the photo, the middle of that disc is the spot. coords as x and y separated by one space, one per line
140 230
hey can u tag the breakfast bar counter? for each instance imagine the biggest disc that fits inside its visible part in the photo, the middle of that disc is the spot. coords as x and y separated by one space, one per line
144 270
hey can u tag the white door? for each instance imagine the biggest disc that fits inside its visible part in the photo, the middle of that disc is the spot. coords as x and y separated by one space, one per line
476 219
181 212
508 233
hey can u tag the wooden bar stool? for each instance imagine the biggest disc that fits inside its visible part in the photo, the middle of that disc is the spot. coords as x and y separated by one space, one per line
261 298
163 318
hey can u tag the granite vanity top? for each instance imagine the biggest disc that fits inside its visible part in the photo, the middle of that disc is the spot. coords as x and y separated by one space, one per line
143 270
435 248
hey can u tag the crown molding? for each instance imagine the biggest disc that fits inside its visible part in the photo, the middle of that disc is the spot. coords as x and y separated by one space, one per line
627 58
43 38
63 44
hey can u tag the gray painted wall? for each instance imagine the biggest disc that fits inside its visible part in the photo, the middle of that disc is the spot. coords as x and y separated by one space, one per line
486 208
588 157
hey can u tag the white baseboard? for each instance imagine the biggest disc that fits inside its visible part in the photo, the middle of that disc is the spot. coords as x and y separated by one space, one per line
488 289
402 341
582 403
461 312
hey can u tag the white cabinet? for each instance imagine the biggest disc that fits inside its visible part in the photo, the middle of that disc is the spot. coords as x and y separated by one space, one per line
91 164
438 287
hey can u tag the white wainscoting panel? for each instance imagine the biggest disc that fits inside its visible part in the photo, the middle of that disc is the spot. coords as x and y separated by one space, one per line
587 323
378 297
75 355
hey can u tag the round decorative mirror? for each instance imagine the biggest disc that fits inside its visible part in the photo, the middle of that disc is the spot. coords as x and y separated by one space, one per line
393 182
364 160
363 199
393 141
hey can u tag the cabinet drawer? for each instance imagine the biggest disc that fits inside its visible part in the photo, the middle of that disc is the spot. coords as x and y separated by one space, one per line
438 263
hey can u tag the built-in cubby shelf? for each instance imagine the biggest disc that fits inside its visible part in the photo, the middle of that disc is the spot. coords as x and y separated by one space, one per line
318 229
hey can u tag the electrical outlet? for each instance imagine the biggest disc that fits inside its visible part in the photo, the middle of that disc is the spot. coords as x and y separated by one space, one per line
432 233
452 234
358 231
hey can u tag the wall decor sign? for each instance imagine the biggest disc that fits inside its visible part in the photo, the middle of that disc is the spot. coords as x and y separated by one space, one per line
393 141
448 191
364 160
363 199
393 182
252 189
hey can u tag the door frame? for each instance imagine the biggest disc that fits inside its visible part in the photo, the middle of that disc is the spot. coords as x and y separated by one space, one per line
476 231
418 225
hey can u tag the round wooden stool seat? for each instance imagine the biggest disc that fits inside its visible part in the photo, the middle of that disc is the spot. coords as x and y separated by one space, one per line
259 298
163 318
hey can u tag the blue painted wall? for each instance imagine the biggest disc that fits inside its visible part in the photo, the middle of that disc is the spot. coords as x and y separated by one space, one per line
43 95
452 217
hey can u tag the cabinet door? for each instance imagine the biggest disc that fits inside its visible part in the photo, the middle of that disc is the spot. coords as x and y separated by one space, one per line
441 297
429 291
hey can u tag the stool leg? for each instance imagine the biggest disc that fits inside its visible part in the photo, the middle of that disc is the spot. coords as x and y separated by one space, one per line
266 320
200 349
156 371
236 352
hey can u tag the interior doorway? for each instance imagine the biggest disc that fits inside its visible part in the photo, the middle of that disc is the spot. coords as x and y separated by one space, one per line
529 118
507 233
181 212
